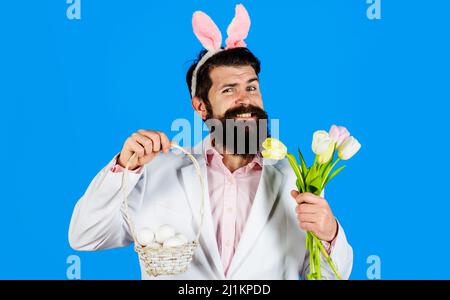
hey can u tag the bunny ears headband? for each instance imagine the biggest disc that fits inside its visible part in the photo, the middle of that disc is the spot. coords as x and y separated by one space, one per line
210 37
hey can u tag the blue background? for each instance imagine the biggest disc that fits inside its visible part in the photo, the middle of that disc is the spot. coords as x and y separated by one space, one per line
72 91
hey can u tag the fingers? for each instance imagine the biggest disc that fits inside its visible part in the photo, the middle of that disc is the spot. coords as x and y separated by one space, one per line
307 226
159 139
130 146
166 145
136 147
315 215
305 208
308 218
305 197
154 137
144 142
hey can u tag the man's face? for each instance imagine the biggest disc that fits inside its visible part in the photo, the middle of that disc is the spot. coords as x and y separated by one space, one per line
235 96
233 87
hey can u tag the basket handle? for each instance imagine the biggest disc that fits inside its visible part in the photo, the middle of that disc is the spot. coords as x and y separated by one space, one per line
125 193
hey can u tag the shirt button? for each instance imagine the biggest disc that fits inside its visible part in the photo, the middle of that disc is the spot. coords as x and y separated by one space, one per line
230 209
228 243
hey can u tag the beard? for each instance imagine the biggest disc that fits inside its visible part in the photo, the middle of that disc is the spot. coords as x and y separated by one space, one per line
240 137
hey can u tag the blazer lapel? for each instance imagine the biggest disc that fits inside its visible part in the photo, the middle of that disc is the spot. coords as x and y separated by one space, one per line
207 237
265 197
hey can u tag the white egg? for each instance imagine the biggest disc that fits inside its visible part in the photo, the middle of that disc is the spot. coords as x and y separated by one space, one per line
182 238
154 245
173 242
163 233
145 236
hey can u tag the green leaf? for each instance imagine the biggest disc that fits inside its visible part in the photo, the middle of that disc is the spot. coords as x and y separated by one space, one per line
295 167
310 176
302 162
300 188
333 174
327 172
311 189
319 168
305 174
316 185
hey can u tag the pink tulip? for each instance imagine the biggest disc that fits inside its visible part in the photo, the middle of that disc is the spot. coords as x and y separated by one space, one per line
338 134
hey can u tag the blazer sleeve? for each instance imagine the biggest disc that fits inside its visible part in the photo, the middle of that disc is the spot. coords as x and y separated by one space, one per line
98 220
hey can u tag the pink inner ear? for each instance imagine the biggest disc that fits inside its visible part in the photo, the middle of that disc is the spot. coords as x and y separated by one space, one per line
238 29
206 31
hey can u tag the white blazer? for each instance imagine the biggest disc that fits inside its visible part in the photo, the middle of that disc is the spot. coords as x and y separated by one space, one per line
167 191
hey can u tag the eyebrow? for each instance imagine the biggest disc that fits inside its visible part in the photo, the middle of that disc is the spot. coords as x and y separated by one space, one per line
235 84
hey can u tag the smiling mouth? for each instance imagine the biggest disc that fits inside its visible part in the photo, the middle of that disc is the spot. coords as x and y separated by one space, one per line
245 116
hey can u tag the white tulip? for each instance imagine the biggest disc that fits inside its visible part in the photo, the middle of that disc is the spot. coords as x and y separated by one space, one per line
321 142
145 236
327 155
163 233
348 148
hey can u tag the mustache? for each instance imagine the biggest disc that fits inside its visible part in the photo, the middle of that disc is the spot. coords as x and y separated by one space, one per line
255 111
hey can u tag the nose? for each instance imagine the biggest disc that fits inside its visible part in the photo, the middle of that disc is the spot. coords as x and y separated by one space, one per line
243 98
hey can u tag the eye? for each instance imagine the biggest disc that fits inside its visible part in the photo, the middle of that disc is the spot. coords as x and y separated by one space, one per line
227 91
251 88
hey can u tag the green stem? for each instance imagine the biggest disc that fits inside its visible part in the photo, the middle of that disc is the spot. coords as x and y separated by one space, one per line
317 259
328 172
328 258
309 245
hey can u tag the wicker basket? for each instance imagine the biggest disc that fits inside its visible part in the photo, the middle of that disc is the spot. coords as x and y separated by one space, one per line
165 260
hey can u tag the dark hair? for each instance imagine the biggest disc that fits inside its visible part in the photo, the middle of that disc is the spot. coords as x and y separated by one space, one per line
233 57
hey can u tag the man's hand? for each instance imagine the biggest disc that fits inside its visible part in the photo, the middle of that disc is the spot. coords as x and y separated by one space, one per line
314 214
146 144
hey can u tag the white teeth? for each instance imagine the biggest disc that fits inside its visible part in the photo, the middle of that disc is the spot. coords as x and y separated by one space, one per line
247 115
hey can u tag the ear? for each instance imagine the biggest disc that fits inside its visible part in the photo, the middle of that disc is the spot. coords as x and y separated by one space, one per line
206 31
238 29
199 106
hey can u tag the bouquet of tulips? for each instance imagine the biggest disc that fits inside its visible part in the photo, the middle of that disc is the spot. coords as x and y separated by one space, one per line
314 178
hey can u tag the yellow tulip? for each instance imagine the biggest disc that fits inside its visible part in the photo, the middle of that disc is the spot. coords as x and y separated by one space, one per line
273 149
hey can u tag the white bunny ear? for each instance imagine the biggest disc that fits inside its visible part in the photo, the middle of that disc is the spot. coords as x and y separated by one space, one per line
206 31
238 29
